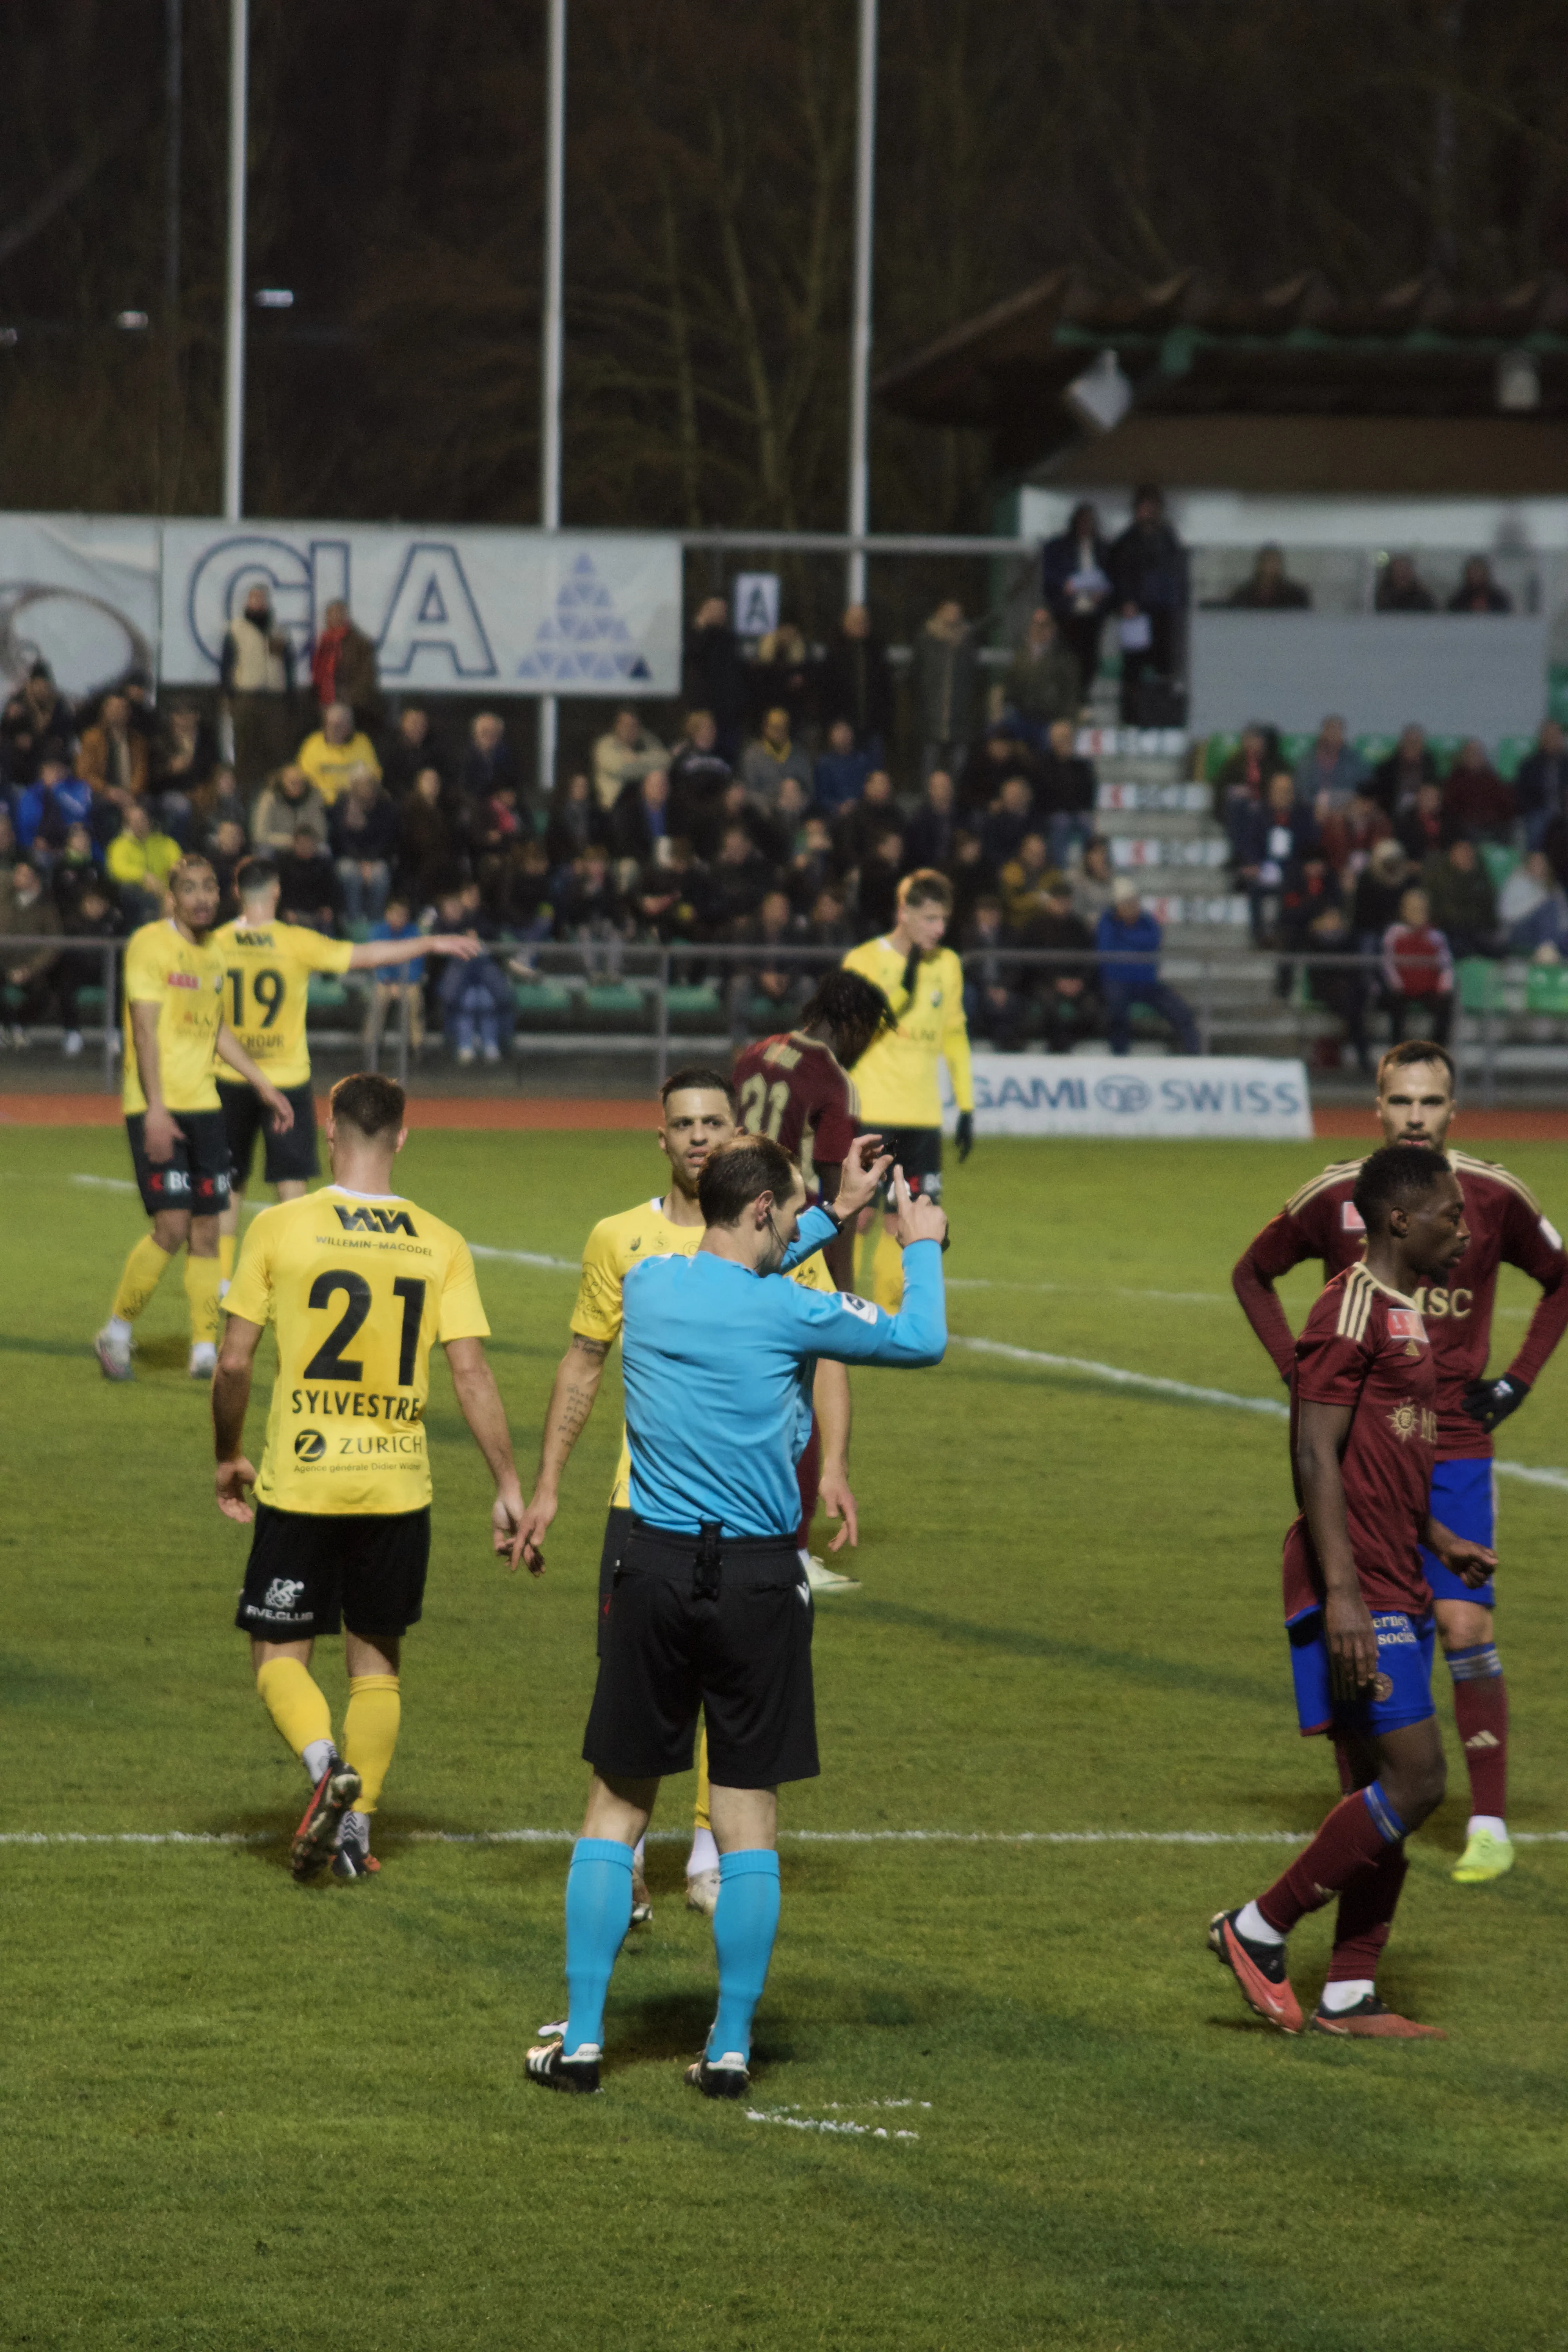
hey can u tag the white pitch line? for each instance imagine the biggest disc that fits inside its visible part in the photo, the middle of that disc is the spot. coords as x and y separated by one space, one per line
217 1837
527 1257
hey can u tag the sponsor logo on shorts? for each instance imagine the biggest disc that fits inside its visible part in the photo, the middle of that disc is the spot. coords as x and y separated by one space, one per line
280 1595
310 1445
168 1180
1393 1629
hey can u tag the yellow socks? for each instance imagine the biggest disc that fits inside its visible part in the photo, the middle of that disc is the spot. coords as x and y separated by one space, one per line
701 1820
887 1271
297 1705
201 1290
145 1269
370 1732
226 1246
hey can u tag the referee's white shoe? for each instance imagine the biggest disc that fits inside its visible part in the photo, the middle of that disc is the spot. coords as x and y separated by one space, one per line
823 1579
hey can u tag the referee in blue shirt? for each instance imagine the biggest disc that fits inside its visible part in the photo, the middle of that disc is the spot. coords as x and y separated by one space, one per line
711 1608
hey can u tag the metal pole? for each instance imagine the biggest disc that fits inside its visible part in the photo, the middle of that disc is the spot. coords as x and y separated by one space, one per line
168 435
860 333
552 333
234 337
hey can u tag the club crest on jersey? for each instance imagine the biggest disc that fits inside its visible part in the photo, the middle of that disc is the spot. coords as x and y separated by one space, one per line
1408 1420
375 1220
1404 1323
1351 1218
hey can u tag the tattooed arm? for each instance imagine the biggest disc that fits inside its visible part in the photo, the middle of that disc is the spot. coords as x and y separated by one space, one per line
572 1399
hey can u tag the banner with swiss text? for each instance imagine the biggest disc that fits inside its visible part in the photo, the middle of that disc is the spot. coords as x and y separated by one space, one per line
1250 1097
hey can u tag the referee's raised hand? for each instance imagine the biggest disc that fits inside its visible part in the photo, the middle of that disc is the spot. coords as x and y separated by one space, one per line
918 1218
864 1170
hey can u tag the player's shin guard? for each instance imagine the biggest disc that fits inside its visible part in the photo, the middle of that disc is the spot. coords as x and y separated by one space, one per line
143 1270
227 1243
1355 1835
598 1913
370 1732
201 1290
297 1705
745 1922
1480 1716
1366 1912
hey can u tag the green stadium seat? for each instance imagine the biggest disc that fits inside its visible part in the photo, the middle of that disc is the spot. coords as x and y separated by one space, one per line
1546 990
1443 748
1479 982
1293 748
614 1005
325 994
1510 755
89 1000
542 1005
358 929
1498 861
695 1012
1216 752
1374 748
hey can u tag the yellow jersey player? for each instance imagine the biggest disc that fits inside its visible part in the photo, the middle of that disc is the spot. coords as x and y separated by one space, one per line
700 1113
175 1024
267 977
896 1077
358 1284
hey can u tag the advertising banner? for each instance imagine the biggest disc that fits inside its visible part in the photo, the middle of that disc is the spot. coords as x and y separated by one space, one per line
1237 1095
80 593
451 612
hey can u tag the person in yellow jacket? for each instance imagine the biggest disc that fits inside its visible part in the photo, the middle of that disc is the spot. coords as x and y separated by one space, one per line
896 1077
336 751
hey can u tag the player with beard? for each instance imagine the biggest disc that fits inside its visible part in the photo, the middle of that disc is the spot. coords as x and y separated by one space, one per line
1415 1105
700 1113
1358 1607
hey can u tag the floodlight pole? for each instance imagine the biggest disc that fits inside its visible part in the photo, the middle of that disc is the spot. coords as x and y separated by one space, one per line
860 345
234 336
551 334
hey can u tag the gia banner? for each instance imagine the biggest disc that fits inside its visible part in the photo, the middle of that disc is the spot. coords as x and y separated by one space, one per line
478 612
1103 1094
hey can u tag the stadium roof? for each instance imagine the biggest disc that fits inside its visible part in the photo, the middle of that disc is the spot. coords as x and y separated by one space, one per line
1315 384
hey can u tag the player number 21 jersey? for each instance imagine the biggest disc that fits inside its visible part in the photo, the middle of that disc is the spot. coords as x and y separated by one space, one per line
357 1291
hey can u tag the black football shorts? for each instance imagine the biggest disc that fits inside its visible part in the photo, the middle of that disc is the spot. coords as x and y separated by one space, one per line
726 1633
918 1151
291 1159
310 1571
196 1177
617 1527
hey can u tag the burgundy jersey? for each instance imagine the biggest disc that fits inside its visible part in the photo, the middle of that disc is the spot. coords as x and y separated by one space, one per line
1506 1228
1367 1347
792 1090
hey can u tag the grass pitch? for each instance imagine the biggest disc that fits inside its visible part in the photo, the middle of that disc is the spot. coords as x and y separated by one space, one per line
241 2118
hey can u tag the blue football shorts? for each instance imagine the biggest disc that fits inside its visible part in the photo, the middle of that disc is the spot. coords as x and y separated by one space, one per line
1464 1498
1402 1693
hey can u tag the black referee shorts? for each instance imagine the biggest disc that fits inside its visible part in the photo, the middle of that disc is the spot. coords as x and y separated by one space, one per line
617 1527
291 1159
309 1572
918 1151
195 1176
724 1630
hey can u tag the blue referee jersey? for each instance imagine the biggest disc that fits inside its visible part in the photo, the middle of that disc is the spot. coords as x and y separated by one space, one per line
718 1364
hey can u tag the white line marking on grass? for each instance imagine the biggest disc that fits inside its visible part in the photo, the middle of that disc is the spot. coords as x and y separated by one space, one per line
527 1257
825 2124
215 1838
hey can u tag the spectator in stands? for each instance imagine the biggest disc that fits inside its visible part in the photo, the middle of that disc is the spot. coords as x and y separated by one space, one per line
1096 886
1476 800
1266 842
1076 583
1461 898
1070 1003
946 687
783 676
256 680
217 802
396 984
93 915
46 810
30 974
36 716
877 885
289 801
857 683
829 926
139 862
9 852
1043 681
1421 830
330 755
343 668
184 753
73 867
773 756
489 764
1338 987
1418 972
429 845
225 850
1127 928
1024 882
640 826
1350 835
998 755
478 1012
784 984
841 771
590 910
521 890
1540 787
1394 781
1243 775
1310 889
1400 589
813 866
968 877
112 755
783 822
412 747
1149 567
625 755
700 776
716 675
669 894
309 889
1269 587
737 881
864 820
994 1004
1008 822
1533 908
1477 591
575 820
1331 772
929 834
362 829
493 827
1066 792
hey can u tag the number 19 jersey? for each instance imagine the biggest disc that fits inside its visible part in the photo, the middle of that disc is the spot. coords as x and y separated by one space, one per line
357 1290
268 968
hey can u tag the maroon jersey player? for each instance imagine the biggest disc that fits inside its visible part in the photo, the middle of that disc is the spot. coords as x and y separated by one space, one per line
1416 1105
1358 1606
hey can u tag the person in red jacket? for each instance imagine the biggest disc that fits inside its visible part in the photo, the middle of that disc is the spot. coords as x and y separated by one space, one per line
1416 1105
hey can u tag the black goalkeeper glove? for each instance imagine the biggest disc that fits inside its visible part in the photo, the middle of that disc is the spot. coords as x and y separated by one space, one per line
963 1136
1489 1401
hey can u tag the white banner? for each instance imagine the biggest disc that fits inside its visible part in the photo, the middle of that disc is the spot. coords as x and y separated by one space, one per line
451 612
1237 1095
79 591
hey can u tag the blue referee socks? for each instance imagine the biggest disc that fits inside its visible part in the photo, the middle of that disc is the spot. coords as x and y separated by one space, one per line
745 1921
598 1913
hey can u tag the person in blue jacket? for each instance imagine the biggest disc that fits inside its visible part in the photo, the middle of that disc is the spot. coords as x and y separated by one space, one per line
1127 927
